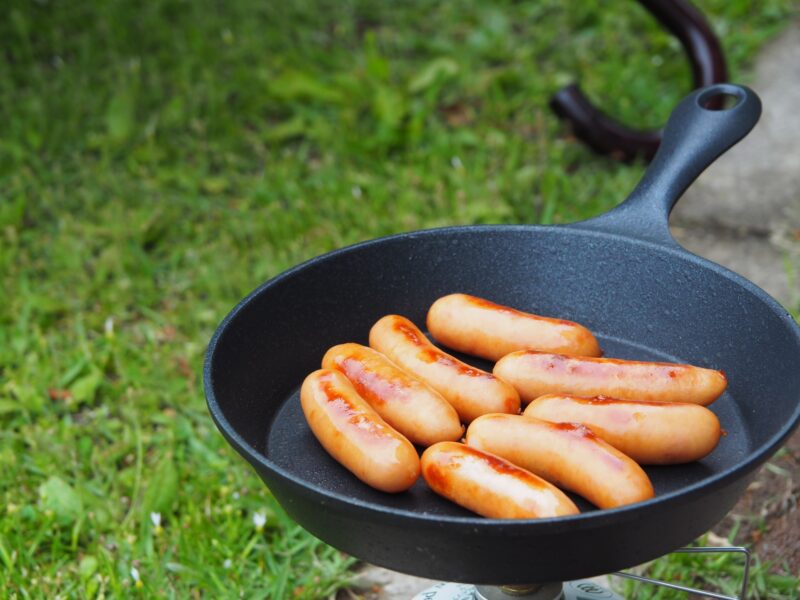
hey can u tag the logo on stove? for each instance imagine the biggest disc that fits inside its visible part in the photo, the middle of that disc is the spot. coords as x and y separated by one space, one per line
586 590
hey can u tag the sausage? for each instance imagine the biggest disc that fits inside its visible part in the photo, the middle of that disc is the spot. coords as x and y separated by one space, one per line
470 391
476 326
355 435
568 455
534 374
489 485
651 433
412 407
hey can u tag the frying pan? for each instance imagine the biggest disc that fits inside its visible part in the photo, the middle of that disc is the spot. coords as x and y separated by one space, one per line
620 274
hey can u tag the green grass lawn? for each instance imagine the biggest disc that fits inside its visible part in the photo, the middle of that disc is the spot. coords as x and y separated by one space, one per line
159 160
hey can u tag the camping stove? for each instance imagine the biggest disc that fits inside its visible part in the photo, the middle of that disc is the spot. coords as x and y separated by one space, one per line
582 589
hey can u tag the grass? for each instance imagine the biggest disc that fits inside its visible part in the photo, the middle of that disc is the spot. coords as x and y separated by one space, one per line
159 160
720 573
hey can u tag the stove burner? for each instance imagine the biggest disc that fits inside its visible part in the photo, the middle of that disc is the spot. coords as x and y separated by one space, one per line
538 591
583 589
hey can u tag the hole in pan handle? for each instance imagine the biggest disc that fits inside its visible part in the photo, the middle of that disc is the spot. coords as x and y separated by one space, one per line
694 136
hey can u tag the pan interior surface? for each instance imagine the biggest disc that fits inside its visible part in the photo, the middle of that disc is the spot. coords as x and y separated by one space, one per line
290 445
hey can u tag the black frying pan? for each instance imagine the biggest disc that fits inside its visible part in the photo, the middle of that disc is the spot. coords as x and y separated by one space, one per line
620 274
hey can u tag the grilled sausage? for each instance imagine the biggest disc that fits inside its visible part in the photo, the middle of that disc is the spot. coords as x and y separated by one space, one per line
568 455
476 326
410 406
651 433
491 486
355 435
472 392
534 374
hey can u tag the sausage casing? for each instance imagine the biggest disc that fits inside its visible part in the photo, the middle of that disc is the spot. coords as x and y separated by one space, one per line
482 328
489 485
355 435
470 391
651 433
568 455
412 407
535 374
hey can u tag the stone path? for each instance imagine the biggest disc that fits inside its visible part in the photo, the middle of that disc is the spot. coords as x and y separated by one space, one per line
744 213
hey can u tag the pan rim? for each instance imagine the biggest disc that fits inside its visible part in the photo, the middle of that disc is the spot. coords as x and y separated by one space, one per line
586 520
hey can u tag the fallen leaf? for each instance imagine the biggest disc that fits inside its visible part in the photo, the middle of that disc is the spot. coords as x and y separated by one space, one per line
59 394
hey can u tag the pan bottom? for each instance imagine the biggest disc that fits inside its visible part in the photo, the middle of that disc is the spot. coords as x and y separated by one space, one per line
291 446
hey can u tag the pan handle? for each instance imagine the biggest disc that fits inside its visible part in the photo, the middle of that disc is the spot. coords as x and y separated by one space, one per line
694 137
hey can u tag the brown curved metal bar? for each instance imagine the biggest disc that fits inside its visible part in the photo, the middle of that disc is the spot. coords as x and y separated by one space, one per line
608 136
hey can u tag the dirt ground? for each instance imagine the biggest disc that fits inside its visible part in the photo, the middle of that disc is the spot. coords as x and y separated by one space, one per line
767 515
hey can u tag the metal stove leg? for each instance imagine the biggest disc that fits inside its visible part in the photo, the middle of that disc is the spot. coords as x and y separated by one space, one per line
723 550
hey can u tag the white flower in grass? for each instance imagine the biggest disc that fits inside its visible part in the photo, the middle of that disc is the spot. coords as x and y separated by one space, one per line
227 564
155 519
137 580
356 192
259 520
456 163
108 326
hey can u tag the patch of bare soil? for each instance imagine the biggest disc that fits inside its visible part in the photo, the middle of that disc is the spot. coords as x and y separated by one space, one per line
768 515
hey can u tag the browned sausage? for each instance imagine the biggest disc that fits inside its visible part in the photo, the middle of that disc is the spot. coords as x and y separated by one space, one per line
476 326
651 433
355 435
472 392
568 455
489 485
534 374
410 406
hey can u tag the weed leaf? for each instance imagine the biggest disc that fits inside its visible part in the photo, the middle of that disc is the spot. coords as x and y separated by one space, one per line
61 498
120 115
163 488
